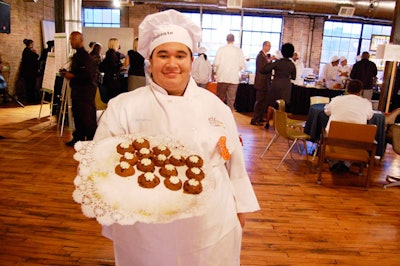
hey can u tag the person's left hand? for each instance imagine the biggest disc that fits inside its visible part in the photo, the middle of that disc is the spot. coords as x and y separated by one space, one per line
242 219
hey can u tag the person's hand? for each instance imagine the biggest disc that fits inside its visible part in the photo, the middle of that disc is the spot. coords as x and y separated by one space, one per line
242 219
62 72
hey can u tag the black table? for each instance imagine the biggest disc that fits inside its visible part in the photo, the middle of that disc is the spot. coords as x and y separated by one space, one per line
245 98
300 97
317 120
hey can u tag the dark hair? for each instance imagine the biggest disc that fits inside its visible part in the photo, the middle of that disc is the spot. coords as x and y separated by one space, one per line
27 42
50 44
230 37
287 50
96 47
91 44
365 55
354 86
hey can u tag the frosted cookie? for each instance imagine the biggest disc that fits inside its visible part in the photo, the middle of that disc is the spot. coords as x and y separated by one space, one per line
141 143
148 180
192 186
145 165
161 149
194 161
173 183
195 173
168 170
177 159
124 169
160 160
144 153
125 146
129 157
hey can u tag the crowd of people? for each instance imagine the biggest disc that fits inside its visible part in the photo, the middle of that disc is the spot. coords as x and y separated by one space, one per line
337 73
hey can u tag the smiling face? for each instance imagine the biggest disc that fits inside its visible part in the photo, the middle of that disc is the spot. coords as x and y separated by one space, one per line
171 64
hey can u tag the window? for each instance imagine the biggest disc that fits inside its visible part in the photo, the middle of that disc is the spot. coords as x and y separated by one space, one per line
349 40
250 32
101 17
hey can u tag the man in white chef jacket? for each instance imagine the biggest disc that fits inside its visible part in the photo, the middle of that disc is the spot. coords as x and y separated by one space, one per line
173 105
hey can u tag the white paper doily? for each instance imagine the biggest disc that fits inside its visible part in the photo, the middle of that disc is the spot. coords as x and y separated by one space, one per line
113 199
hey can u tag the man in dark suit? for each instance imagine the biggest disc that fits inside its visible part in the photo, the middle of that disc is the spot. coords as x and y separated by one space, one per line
261 84
83 83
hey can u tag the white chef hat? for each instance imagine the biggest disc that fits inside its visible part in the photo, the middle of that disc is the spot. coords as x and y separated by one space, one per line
342 58
202 50
335 58
167 26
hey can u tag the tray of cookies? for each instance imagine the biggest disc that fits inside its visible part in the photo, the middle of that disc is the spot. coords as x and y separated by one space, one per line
151 179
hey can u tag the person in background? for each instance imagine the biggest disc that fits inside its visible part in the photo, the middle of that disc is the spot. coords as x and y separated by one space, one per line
229 61
343 71
351 108
111 67
91 44
329 73
366 71
98 58
29 71
299 69
262 82
136 71
82 77
173 105
43 56
202 70
283 72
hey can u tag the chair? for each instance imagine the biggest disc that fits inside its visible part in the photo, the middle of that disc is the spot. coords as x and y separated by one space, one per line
291 122
284 130
318 99
349 142
100 105
390 118
394 181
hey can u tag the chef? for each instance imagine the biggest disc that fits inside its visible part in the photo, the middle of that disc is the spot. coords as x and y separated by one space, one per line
173 105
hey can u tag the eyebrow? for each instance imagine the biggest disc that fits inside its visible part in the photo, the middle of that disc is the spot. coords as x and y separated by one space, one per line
178 52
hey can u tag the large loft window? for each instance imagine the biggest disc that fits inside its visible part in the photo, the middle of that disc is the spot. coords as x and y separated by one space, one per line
101 17
250 32
350 40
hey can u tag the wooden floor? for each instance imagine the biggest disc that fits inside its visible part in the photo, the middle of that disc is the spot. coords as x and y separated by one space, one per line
300 222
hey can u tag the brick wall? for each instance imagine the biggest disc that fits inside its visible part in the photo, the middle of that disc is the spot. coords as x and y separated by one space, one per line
305 33
25 23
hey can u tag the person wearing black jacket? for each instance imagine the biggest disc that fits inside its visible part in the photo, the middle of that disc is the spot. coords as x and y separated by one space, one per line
29 71
83 83
111 66
365 71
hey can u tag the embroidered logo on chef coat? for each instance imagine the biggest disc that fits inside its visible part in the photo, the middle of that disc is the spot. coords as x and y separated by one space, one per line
215 122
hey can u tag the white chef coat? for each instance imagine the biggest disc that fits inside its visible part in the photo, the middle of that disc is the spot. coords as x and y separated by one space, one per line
349 108
299 72
343 69
197 119
229 61
329 74
201 70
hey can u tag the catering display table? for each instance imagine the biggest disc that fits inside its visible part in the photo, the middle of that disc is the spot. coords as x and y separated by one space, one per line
300 100
317 120
245 98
